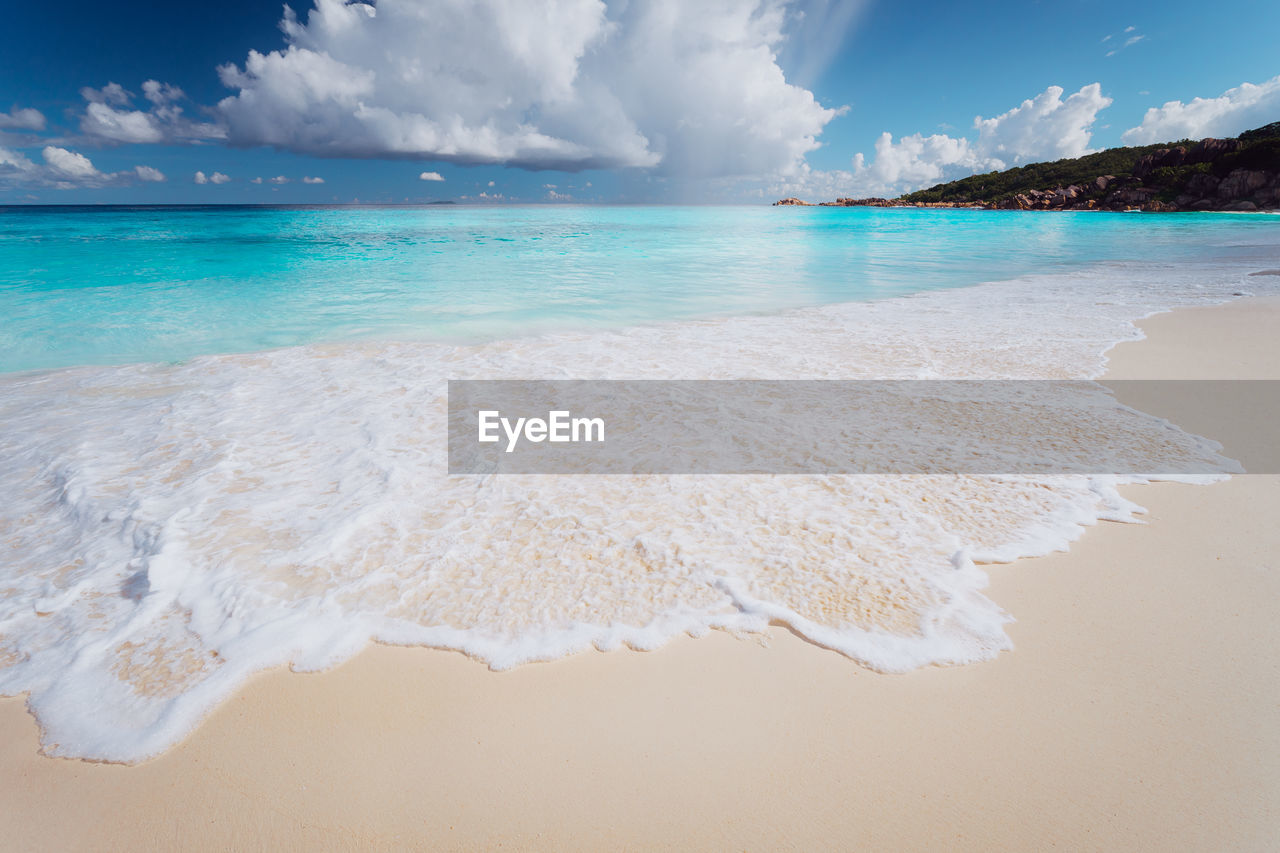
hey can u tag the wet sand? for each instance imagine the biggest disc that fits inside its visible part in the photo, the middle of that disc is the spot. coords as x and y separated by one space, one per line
1141 708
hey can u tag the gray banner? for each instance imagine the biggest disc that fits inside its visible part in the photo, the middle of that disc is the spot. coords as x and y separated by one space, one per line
1133 427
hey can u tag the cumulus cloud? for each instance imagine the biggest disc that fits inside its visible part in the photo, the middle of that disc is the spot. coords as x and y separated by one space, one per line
435 176
215 178
1045 127
256 181
110 115
63 168
112 93
309 180
105 122
15 167
691 89
1235 110
809 183
70 164
161 94
279 179
22 119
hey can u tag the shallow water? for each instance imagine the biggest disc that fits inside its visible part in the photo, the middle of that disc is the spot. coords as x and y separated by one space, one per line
109 285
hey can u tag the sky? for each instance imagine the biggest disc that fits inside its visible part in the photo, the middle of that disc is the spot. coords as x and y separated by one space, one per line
630 101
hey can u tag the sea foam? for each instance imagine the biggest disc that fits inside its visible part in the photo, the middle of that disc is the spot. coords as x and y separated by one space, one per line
169 530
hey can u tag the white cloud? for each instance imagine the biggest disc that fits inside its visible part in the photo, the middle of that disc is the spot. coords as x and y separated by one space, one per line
65 169
70 165
161 93
215 178
1045 127
279 179
256 181
200 178
310 180
917 160
110 116
817 184
105 122
491 183
22 119
692 89
1235 110
112 93
14 166
1128 42
435 176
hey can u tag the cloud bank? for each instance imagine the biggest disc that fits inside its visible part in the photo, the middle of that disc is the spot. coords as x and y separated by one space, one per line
1245 107
65 169
690 89
111 116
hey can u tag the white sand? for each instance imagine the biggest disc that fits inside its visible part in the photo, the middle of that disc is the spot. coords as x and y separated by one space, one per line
1141 708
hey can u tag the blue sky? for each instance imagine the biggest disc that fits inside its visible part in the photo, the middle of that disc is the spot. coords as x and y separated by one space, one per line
651 100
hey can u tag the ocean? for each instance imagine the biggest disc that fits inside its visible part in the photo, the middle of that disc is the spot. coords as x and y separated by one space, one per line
114 285
222 432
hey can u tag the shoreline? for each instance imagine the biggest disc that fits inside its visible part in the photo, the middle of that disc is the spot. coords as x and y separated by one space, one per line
1104 727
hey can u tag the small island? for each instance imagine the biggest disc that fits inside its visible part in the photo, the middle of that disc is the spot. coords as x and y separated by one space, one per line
1238 174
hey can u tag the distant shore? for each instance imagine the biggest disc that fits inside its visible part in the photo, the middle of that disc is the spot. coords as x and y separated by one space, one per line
1241 174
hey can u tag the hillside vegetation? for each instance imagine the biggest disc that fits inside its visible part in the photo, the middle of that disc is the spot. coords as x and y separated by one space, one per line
1212 174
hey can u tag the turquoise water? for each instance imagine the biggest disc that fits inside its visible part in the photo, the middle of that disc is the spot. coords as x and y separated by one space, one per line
101 285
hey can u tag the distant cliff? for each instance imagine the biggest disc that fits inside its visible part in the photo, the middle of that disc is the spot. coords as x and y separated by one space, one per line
1213 174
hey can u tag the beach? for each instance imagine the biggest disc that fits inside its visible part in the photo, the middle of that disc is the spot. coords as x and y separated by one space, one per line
1137 709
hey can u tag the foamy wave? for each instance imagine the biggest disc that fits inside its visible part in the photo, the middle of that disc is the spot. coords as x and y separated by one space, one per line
171 529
